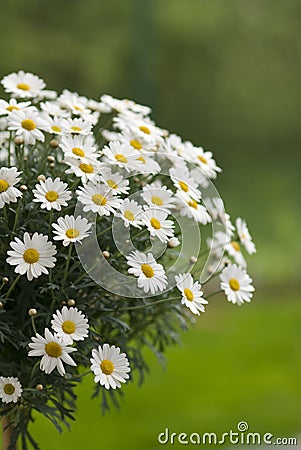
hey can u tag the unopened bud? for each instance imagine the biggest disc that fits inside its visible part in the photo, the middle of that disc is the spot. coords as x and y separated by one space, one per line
50 159
193 259
106 254
51 165
19 140
39 387
32 312
5 280
41 178
54 143
23 188
71 302
1 305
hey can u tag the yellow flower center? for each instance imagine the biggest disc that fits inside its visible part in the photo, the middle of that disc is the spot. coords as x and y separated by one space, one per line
144 129
23 86
99 199
193 204
72 233
51 196
141 159
3 186
157 200
136 144
53 349
87 168
155 223
56 129
76 129
31 256
188 294
129 215
107 367
9 389
234 284
112 184
28 124
68 327
202 159
236 246
147 270
77 108
121 158
183 186
11 108
78 151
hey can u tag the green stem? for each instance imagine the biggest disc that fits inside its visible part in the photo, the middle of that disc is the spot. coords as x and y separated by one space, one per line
33 325
13 285
16 216
67 264
213 293
8 150
149 304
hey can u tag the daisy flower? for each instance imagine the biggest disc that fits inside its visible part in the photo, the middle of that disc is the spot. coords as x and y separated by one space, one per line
8 178
12 105
156 223
53 109
82 147
23 85
192 209
109 366
122 155
77 126
148 164
151 275
140 126
10 389
109 104
244 236
87 171
133 140
76 104
158 196
33 256
52 194
28 125
53 351
173 242
115 181
204 159
70 229
236 284
98 198
192 295
54 125
130 212
184 183
70 325
233 249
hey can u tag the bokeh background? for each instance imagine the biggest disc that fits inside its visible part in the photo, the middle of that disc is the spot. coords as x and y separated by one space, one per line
226 75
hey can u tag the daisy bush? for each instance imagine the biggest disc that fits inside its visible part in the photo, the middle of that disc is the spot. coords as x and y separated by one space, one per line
113 238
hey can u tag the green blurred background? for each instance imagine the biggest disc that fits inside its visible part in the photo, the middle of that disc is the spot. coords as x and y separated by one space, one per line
226 75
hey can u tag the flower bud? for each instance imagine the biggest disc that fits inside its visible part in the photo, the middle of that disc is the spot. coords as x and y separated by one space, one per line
193 259
19 140
32 312
71 302
54 143
106 254
51 165
41 178
5 280
23 188
50 159
39 387
1 305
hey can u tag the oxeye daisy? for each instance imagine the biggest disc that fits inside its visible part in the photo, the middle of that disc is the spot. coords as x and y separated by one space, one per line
192 295
77 126
23 85
10 389
52 194
53 109
191 208
135 141
139 126
109 366
130 212
148 164
8 178
53 351
158 196
233 249
204 159
244 235
156 223
33 256
184 183
54 125
70 229
98 198
28 125
122 155
82 147
236 284
70 325
75 103
109 104
151 275
115 181
87 171
6 108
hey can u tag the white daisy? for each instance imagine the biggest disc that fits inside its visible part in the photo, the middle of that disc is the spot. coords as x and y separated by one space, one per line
114 181
6 108
151 275
236 284
184 183
53 109
109 366
10 389
142 127
122 155
54 125
27 124
52 194
148 164
33 256
76 104
53 351
156 223
136 142
77 126
82 147
192 209
70 325
130 212
158 196
87 171
98 198
8 178
244 235
109 104
233 249
192 295
70 229
204 159
23 85
173 242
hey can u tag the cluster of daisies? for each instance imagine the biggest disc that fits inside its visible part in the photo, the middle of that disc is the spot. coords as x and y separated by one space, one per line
130 170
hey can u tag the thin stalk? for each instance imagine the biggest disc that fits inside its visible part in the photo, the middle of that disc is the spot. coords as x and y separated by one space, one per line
67 264
213 293
130 308
13 285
